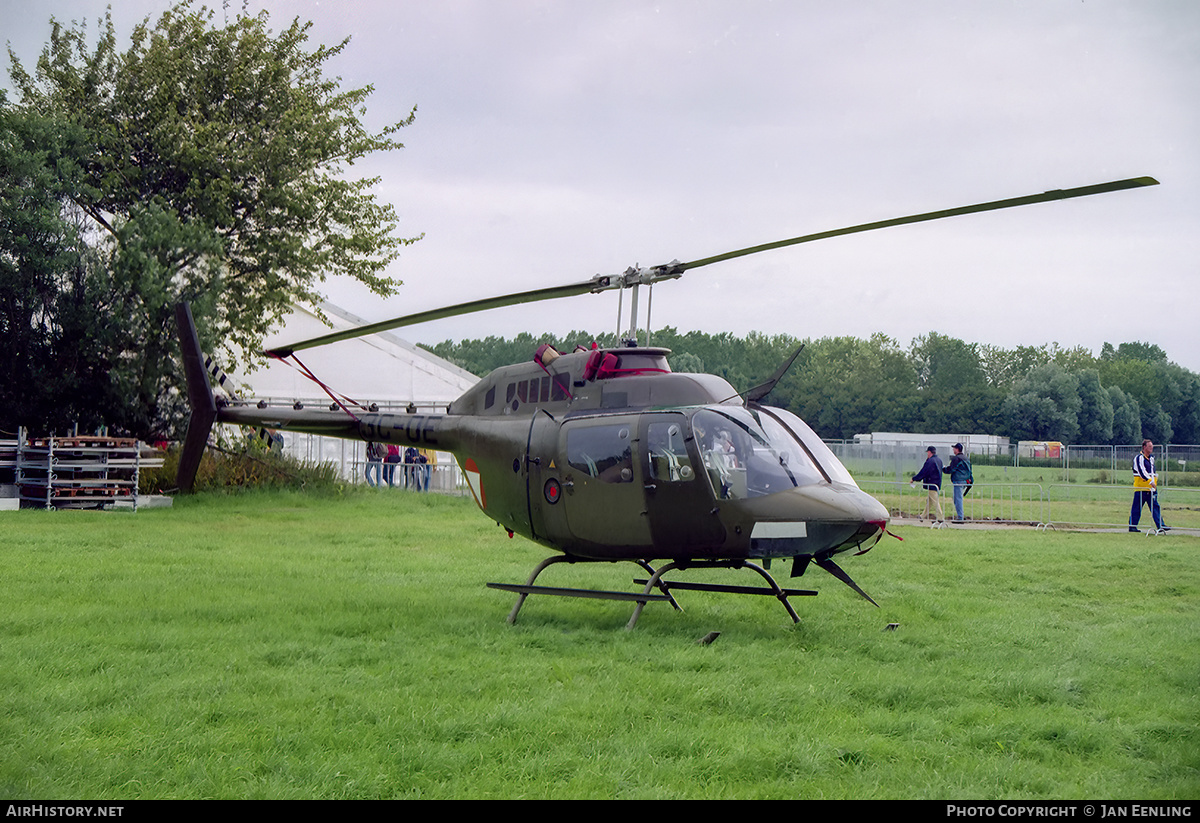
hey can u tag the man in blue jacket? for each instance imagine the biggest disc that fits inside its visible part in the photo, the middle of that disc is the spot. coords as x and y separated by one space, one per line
930 476
961 476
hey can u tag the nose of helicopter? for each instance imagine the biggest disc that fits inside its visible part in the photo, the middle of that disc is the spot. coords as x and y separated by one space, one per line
870 509
818 520
831 502
872 515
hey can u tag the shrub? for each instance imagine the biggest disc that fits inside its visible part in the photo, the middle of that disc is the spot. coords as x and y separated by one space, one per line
245 461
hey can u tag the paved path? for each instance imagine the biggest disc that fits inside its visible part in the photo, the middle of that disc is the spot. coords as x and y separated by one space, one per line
993 525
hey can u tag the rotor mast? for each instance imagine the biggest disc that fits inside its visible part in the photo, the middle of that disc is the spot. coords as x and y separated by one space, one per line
634 278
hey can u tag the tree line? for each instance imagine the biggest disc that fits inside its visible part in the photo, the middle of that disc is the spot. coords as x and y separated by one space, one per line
843 386
206 162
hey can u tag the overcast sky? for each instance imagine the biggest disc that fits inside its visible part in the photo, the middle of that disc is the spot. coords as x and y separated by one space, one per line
557 140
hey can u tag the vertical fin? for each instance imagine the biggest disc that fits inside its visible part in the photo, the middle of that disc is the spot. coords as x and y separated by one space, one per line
200 398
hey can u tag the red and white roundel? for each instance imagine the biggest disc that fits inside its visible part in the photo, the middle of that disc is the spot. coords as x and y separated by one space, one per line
475 483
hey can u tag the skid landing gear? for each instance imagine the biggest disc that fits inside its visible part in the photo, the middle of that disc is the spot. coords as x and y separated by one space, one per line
655 582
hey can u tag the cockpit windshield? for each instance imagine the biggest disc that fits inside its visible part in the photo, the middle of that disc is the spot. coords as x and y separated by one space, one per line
752 453
814 446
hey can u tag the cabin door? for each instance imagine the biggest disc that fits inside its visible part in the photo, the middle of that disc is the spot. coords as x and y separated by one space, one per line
679 502
603 486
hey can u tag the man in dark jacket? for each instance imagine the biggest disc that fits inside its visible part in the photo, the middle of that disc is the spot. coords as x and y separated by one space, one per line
961 476
930 477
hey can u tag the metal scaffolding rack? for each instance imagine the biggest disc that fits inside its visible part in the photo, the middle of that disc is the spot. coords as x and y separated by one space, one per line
76 472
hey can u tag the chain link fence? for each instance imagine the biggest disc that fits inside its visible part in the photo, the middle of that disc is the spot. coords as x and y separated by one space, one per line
1088 486
350 458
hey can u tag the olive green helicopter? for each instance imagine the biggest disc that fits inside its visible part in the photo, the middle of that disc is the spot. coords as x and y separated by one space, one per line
606 455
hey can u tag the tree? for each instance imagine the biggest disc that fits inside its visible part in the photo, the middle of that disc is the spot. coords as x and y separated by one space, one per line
1044 405
46 324
844 386
1186 419
687 363
1095 410
1127 418
1156 424
1167 395
946 363
1147 352
956 392
215 172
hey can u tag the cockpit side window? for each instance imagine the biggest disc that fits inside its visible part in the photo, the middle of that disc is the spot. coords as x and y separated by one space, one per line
667 451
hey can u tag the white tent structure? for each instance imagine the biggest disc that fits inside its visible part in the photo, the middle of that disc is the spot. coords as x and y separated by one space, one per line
380 369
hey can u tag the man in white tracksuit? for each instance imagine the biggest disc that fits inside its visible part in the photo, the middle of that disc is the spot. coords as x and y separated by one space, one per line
1145 488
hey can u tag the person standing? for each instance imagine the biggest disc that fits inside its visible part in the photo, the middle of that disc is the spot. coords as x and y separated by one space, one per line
960 476
412 479
375 454
393 457
425 461
930 477
1145 488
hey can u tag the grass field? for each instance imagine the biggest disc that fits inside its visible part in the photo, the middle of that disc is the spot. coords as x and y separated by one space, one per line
288 646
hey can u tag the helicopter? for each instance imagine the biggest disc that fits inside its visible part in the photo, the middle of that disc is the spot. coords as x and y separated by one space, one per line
605 455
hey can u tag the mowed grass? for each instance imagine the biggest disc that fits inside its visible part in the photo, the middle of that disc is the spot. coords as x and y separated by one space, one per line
289 646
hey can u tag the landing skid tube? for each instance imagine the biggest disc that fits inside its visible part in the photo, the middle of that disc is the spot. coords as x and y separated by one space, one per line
524 591
655 581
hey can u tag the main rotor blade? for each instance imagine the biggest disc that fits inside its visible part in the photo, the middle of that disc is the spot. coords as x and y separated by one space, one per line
437 314
1056 194
672 270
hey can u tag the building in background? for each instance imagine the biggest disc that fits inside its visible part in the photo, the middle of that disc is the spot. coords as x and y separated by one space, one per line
972 443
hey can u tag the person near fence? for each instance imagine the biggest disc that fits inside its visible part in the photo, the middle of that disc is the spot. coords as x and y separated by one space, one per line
427 459
960 476
930 477
375 454
412 471
393 457
1145 488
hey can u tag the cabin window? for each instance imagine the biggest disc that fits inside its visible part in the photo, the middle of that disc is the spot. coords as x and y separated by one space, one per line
558 390
604 452
489 399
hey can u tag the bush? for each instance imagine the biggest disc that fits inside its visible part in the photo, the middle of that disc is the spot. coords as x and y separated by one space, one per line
244 462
